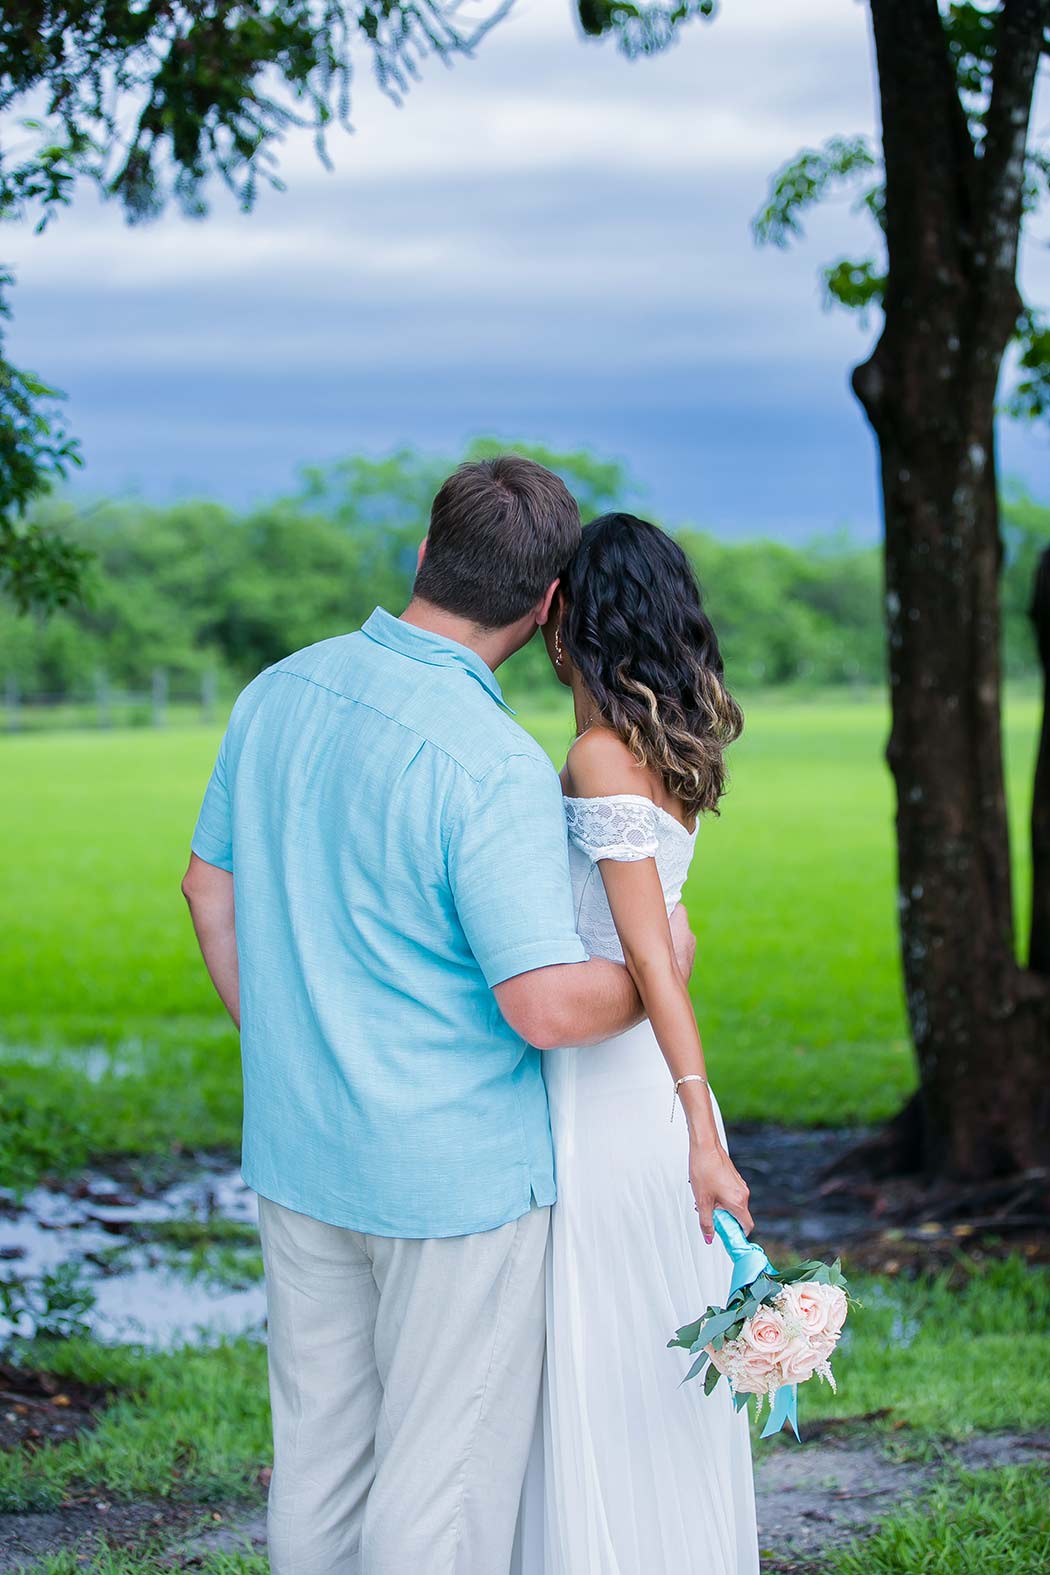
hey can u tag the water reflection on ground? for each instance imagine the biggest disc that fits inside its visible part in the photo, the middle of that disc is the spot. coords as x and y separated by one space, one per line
179 1263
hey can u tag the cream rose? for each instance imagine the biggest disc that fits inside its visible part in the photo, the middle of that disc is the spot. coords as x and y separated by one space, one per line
765 1332
799 1359
750 1371
836 1307
755 1372
825 1343
815 1308
726 1357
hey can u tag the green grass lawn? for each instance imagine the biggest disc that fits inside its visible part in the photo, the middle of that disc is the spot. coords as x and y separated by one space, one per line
797 983
119 1561
987 1523
951 1354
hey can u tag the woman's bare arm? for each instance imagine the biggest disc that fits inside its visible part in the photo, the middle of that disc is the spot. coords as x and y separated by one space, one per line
639 911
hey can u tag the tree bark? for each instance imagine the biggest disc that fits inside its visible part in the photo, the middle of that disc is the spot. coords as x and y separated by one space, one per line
981 1023
1039 946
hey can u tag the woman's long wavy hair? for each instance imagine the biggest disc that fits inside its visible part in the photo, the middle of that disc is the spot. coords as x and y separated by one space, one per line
635 629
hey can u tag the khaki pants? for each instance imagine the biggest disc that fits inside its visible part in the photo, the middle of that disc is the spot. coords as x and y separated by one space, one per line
404 1380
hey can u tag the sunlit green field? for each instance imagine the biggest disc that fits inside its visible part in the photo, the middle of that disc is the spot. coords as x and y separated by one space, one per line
112 1040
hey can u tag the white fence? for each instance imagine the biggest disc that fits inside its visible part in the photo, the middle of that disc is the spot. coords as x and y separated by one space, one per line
105 705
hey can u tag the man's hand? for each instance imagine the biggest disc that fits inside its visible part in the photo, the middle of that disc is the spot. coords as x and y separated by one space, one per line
684 941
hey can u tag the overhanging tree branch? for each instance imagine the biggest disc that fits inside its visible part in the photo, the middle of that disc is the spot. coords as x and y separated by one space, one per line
1003 167
149 99
925 136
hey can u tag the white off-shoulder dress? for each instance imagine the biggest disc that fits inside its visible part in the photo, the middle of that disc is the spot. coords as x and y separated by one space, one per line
630 1474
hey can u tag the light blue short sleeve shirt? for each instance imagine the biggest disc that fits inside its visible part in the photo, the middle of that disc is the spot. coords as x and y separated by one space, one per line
398 847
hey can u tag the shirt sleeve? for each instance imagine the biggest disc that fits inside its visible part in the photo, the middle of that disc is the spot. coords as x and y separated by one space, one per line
212 838
509 872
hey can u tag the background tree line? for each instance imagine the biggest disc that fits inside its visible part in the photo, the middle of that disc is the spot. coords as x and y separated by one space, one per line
196 586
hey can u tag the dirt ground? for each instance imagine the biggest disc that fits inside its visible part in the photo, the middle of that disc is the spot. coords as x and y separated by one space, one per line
809 1499
38 1408
839 1487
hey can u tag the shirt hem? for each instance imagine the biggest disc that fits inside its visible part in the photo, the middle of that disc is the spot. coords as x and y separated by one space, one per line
538 1197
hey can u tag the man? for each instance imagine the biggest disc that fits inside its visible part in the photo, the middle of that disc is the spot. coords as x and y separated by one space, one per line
394 848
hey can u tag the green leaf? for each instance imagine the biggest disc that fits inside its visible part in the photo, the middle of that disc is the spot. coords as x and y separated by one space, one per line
801 1271
810 177
721 1322
856 285
1030 399
763 1288
713 1375
697 1367
687 1335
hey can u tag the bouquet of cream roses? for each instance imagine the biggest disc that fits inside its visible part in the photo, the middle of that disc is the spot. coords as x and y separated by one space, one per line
776 1330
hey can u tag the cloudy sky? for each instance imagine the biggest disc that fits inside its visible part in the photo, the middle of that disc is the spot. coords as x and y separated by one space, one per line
547 241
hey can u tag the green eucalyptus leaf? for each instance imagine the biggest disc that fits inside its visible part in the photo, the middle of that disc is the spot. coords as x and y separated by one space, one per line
805 1270
723 1321
764 1288
697 1367
687 1335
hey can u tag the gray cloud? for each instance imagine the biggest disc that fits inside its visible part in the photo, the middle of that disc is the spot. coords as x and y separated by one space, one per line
548 240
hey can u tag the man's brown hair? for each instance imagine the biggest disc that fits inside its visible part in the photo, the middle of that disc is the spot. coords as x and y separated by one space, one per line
500 531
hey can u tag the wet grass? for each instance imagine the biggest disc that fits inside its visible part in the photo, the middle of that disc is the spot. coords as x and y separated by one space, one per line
218 1252
972 1523
966 1350
190 1423
174 1086
122 1561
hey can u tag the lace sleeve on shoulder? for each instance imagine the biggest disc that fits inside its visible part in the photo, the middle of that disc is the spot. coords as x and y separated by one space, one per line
621 829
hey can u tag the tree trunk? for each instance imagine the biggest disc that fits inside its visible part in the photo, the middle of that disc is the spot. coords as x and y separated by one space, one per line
981 1023
1039 946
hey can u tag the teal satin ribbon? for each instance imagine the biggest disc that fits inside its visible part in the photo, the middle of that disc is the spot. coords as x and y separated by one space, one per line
749 1261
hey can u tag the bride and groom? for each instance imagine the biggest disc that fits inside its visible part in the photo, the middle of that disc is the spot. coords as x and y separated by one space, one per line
402 907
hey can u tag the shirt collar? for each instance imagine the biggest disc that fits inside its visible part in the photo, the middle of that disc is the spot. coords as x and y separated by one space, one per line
421 645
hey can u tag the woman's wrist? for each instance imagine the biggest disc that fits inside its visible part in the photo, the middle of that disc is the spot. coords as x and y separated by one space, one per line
699 1113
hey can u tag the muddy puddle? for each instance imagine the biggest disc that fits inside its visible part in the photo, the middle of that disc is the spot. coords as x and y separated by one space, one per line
181 1263
163 1263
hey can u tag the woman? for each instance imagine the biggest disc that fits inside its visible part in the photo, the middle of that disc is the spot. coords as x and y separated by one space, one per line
631 1474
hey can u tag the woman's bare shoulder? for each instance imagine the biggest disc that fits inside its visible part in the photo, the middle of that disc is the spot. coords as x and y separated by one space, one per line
600 763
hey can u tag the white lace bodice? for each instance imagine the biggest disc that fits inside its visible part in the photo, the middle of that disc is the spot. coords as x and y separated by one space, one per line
626 827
